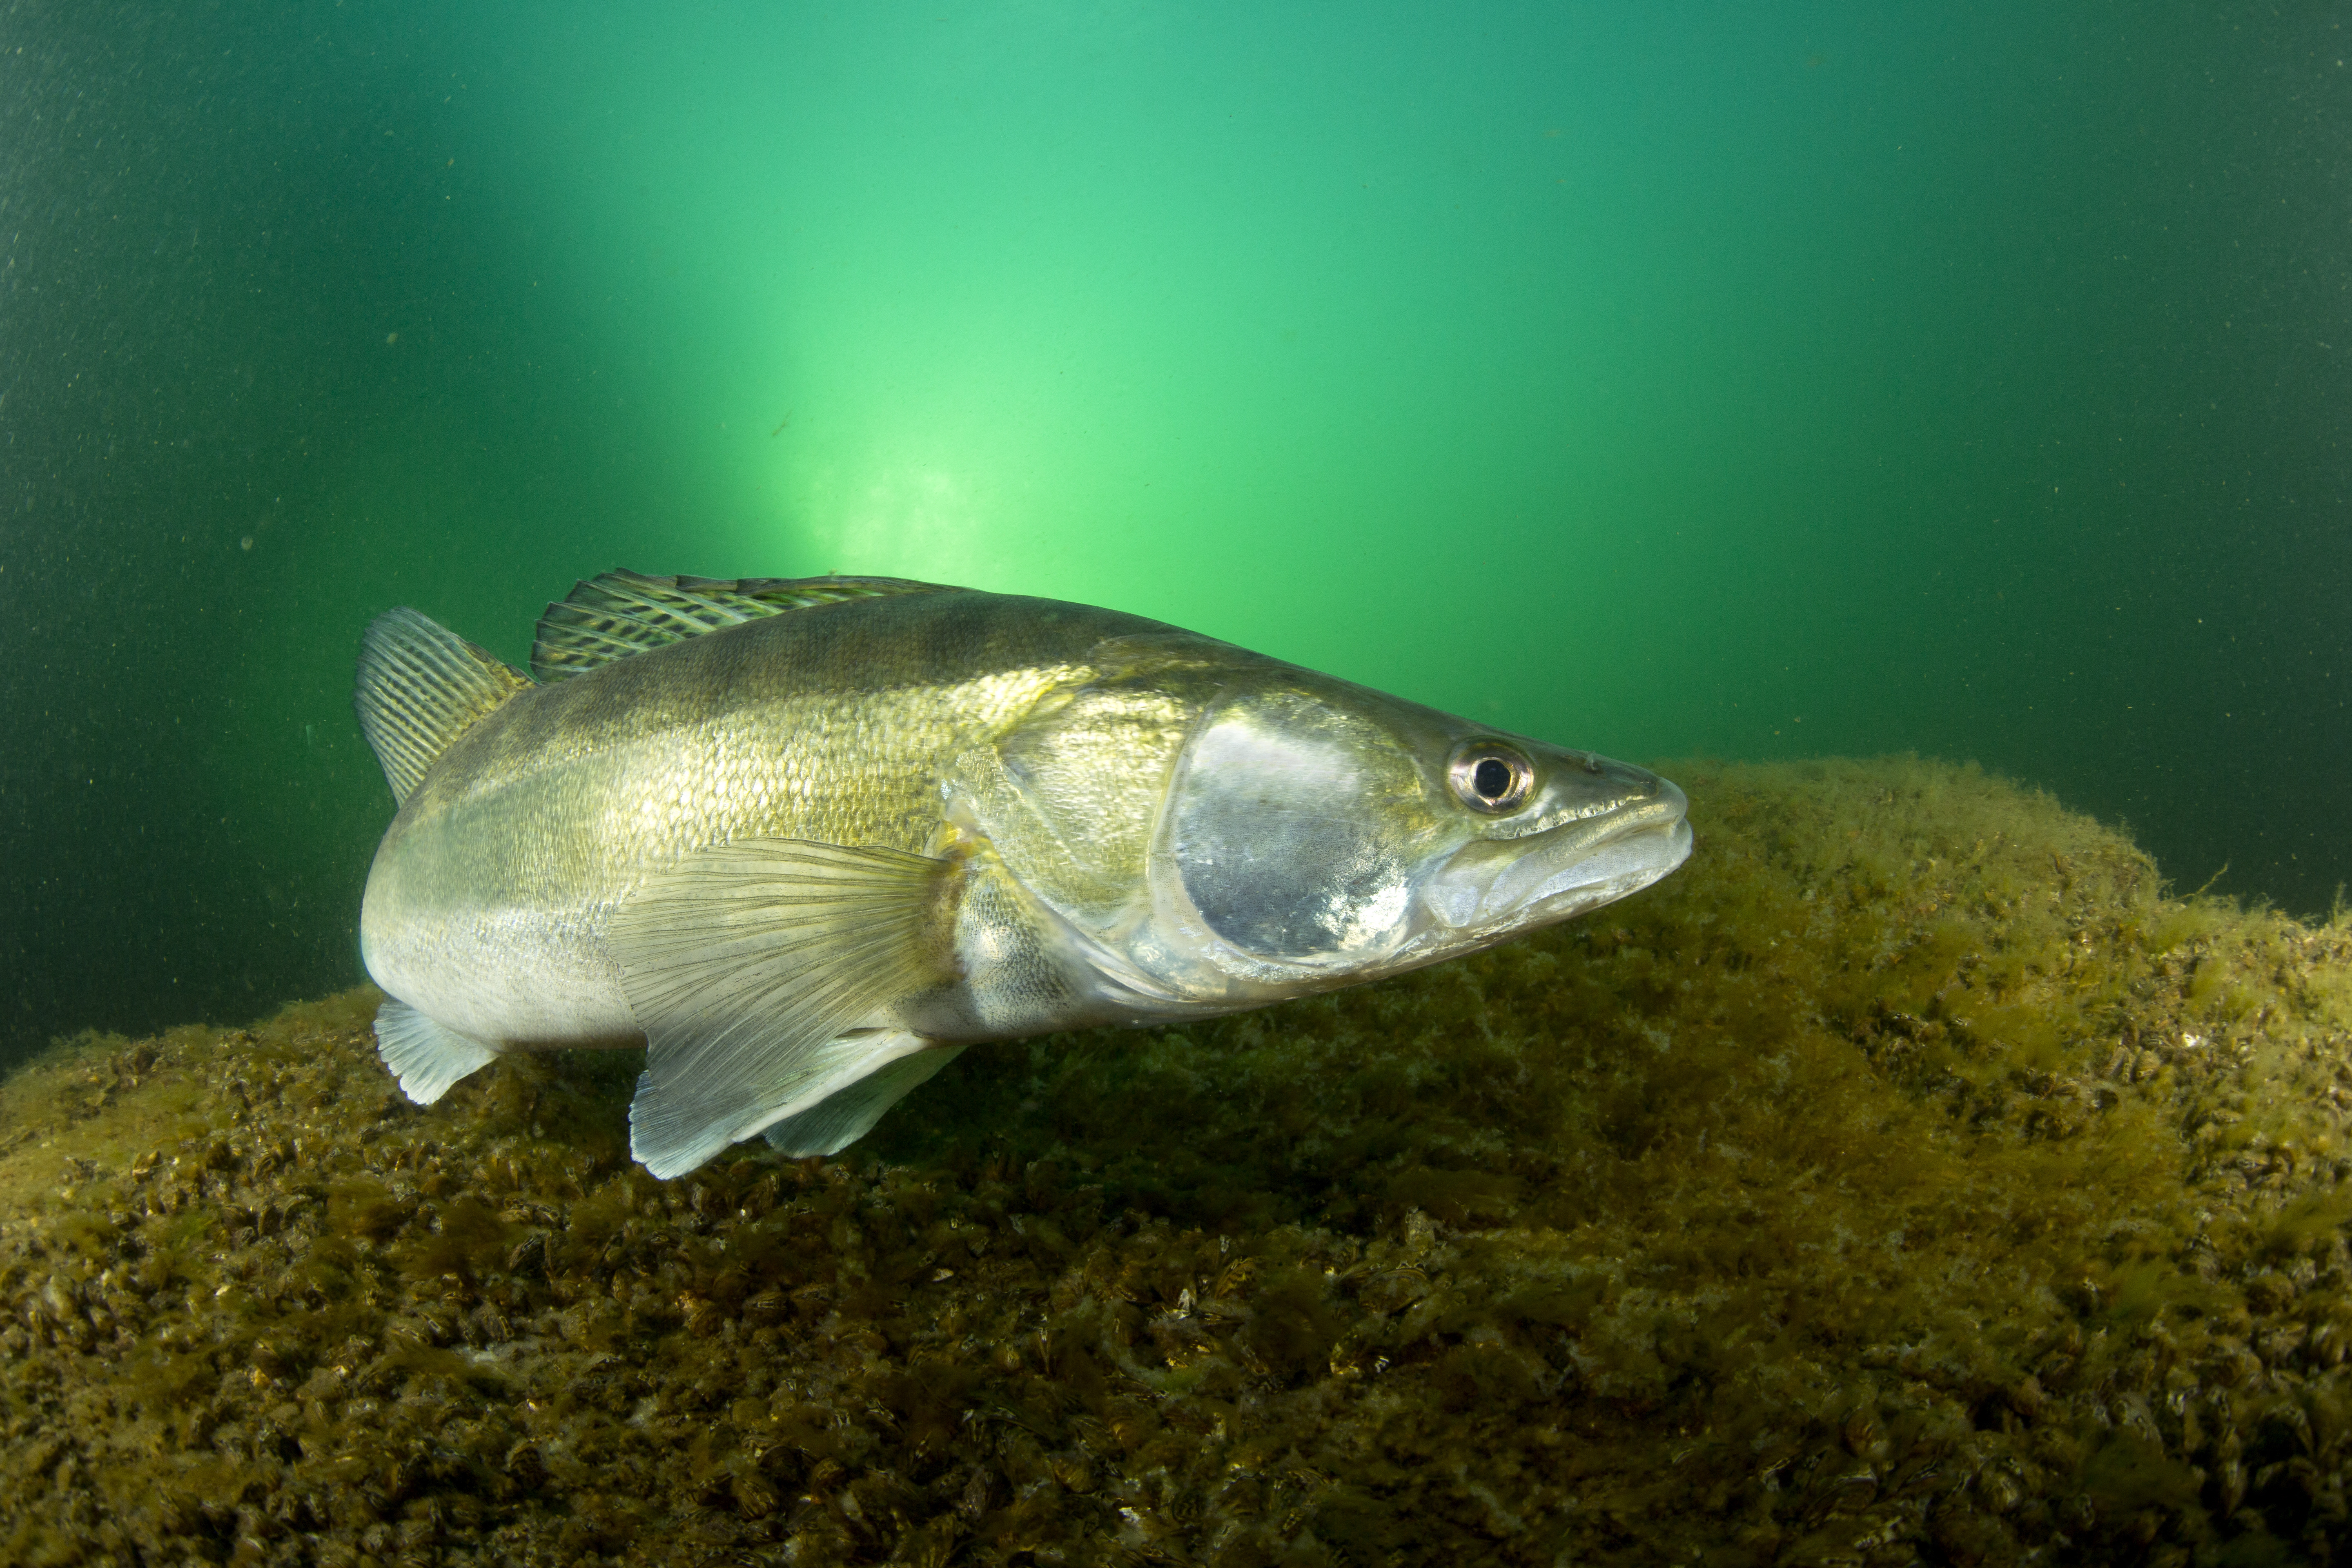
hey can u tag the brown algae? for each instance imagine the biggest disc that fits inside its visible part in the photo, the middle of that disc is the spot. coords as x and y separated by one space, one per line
1905 1179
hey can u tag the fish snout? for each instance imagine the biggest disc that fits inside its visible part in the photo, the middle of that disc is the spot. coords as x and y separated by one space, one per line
1624 828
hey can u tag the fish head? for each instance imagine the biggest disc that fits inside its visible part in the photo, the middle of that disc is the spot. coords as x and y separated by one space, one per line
1314 827
1289 832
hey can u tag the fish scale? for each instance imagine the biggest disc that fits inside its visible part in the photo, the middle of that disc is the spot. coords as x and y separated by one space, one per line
806 838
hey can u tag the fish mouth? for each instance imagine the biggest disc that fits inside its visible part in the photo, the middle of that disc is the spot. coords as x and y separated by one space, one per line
1510 885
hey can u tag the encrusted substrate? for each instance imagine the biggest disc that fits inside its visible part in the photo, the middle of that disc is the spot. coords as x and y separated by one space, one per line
1904 1179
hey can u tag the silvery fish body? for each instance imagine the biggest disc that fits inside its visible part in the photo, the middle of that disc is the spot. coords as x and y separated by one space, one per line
805 839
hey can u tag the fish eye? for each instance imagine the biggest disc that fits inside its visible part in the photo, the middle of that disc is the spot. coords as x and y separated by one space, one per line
1490 777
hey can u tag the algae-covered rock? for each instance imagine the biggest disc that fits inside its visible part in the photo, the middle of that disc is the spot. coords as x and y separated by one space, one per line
1904 1179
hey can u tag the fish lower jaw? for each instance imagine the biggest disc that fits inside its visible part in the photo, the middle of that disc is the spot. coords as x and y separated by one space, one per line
1624 865
1488 904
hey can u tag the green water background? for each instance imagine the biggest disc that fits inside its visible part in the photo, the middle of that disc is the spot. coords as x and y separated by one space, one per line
1755 381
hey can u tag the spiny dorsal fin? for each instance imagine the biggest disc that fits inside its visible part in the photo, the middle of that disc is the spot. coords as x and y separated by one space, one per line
625 612
421 685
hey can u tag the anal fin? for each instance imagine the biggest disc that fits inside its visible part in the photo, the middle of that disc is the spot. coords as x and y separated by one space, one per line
425 1056
846 1115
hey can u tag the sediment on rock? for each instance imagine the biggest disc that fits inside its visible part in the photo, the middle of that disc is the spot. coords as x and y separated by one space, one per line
1907 1177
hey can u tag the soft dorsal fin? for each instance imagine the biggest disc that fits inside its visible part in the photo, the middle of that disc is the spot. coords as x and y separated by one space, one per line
421 685
625 612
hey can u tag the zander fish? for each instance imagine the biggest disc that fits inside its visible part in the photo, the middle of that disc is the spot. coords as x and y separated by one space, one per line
806 839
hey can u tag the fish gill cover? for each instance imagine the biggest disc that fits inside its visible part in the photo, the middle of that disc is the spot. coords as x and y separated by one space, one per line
1910 1177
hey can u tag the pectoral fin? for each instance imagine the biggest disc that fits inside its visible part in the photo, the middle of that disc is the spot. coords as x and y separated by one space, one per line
425 1056
751 964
